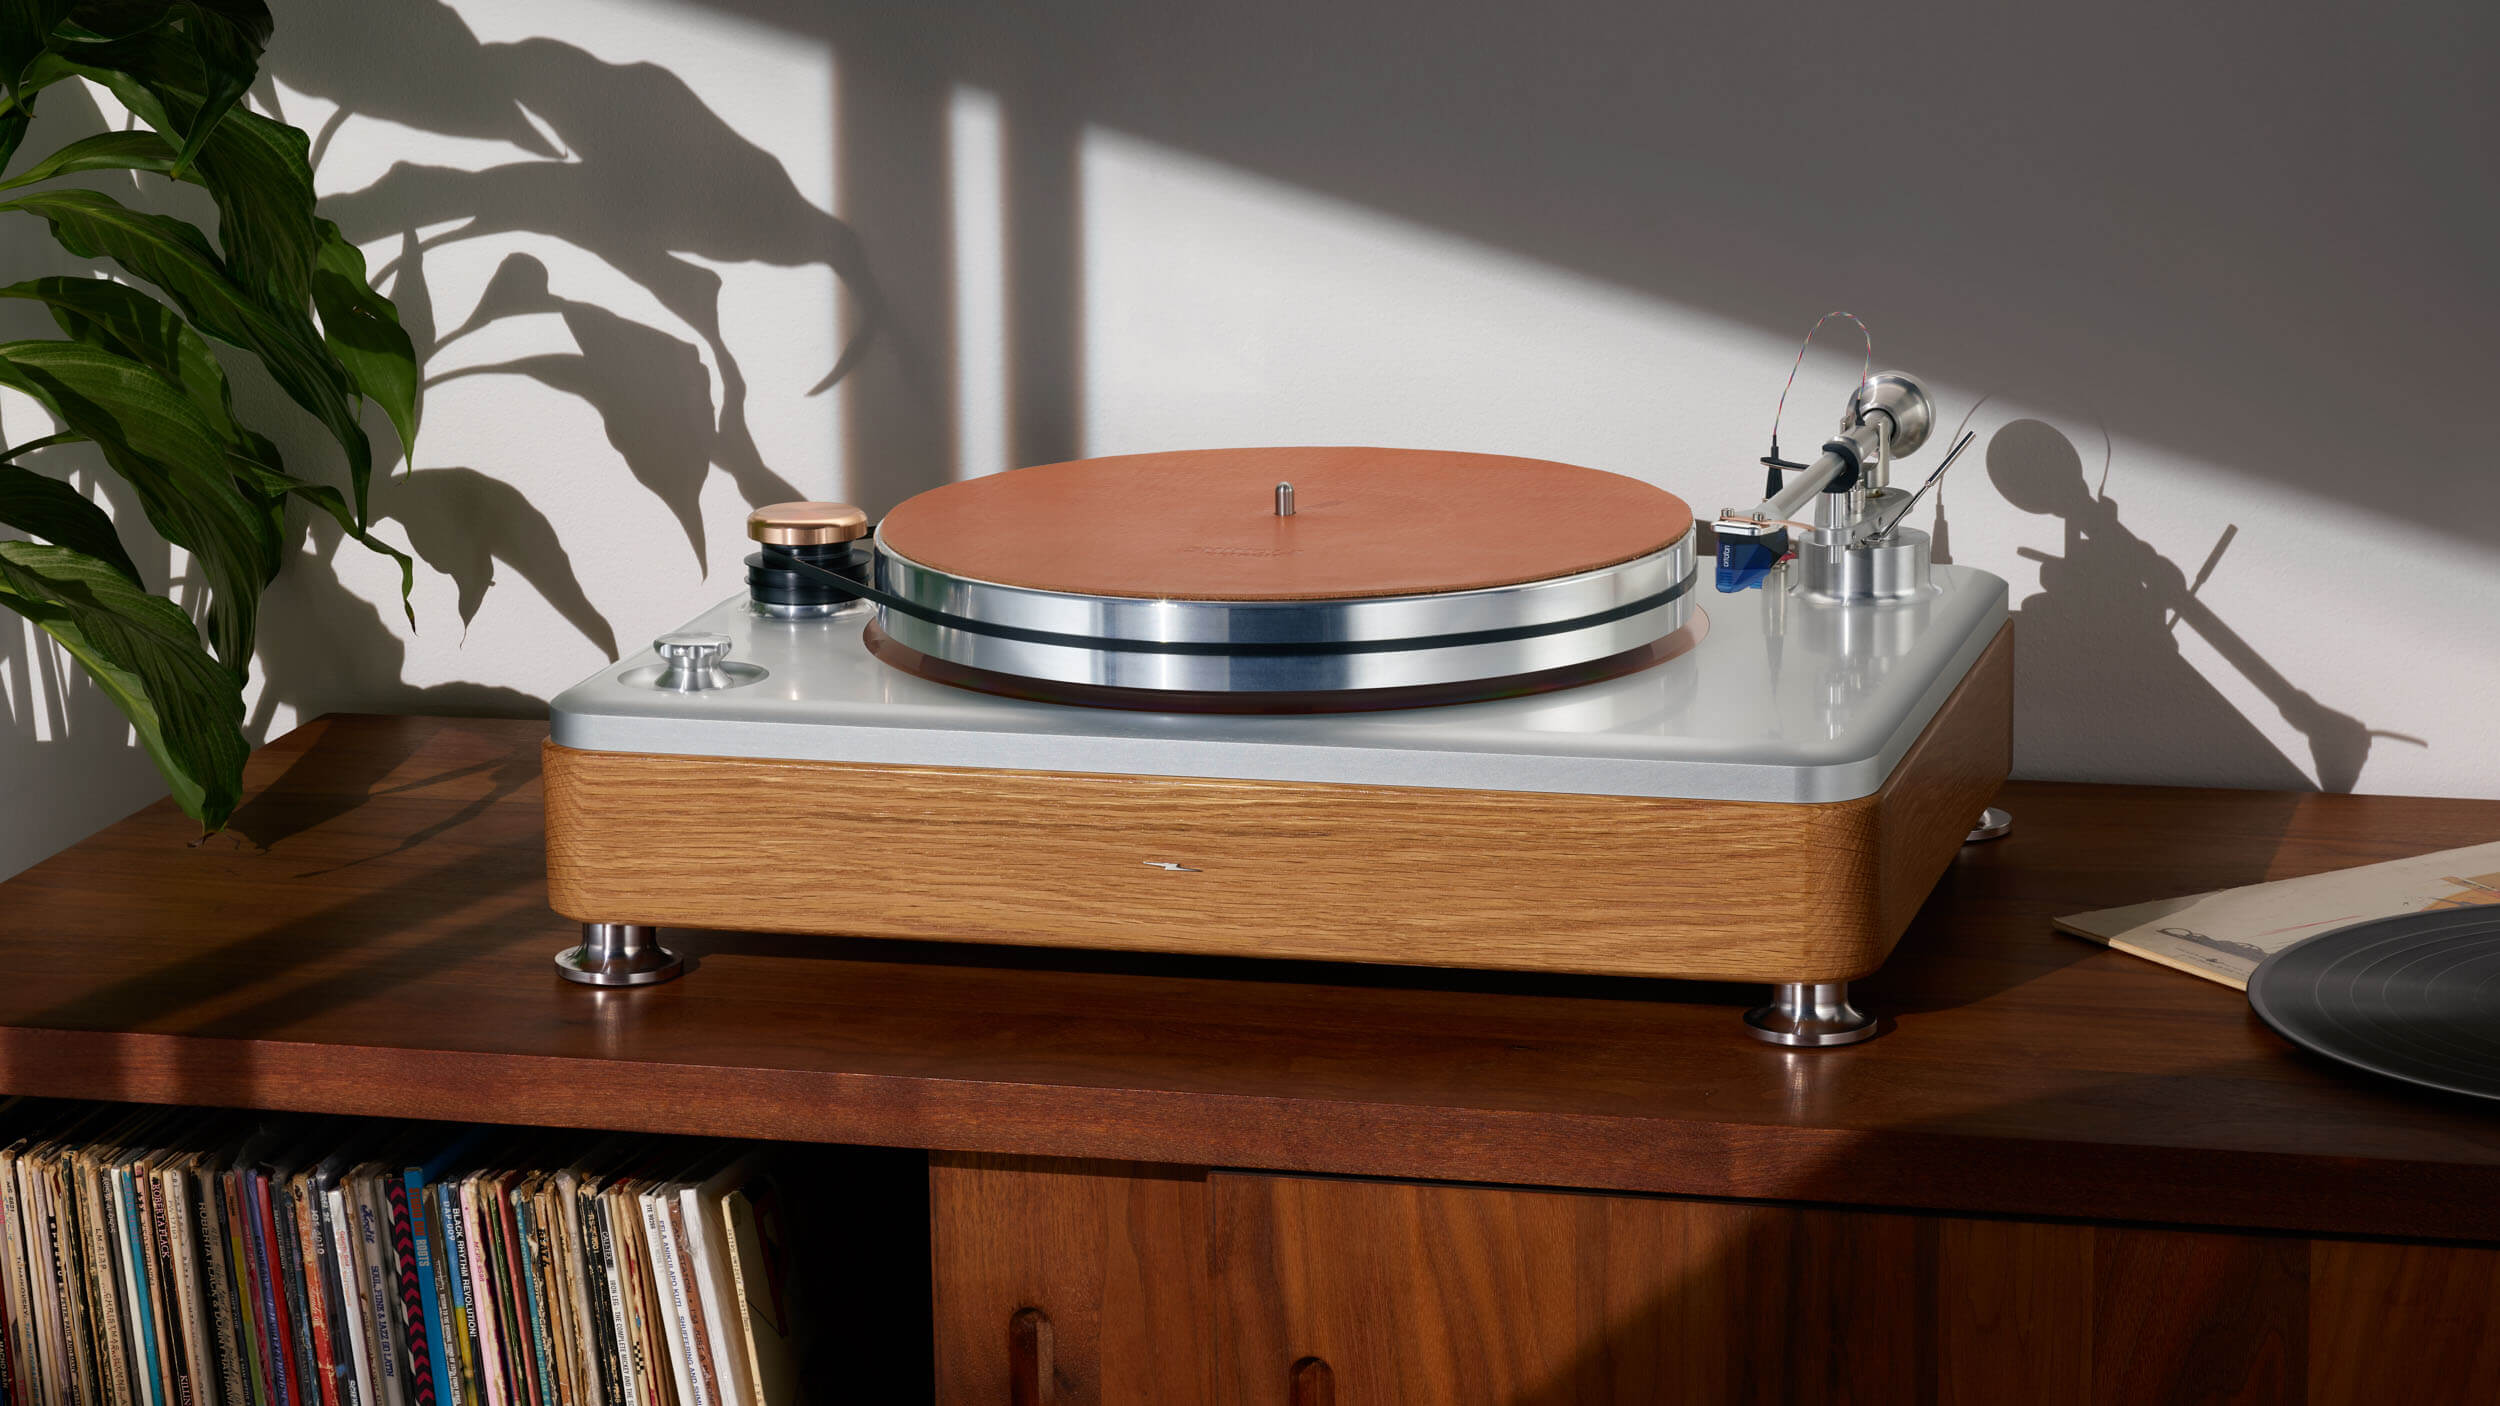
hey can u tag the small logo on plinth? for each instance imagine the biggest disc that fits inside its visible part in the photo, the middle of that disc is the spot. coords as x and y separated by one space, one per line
1169 867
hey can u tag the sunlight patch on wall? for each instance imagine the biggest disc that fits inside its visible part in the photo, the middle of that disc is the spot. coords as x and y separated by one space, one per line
1224 307
977 189
1228 308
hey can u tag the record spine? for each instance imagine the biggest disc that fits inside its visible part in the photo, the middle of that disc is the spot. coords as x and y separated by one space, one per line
217 1268
405 1190
606 1304
454 1264
532 1244
423 1212
172 1320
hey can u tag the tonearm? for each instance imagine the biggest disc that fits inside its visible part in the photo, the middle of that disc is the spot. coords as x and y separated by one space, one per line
1854 547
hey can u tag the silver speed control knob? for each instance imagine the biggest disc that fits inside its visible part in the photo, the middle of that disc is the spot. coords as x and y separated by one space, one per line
691 661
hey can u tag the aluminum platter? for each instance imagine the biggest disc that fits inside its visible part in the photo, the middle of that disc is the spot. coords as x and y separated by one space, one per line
1398 577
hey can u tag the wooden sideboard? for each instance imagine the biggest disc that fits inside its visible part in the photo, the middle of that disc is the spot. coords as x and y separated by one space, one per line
2065 1175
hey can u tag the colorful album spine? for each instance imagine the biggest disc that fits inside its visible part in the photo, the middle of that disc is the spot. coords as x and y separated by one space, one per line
604 1318
172 1316
408 1258
181 1250
103 1295
455 1269
222 1319
292 1269
135 1242
507 1252
311 1251
243 1239
345 1290
418 1198
533 1288
378 1287
17 1355
477 1291
9 1389
68 1275
280 1325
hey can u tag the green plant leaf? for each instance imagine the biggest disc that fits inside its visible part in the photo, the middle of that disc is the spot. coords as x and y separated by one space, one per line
258 170
122 320
25 29
228 36
127 322
13 125
177 258
59 514
143 652
363 332
105 151
260 174
154 436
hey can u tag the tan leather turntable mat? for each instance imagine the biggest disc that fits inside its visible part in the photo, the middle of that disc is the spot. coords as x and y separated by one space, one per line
1201 524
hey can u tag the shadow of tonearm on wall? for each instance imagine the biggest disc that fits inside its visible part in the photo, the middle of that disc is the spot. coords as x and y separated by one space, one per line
2338 742
2139 597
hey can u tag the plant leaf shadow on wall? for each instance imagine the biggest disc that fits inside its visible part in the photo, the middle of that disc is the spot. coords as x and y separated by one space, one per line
625 163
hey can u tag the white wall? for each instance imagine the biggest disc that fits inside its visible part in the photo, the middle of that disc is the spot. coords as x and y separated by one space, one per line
2211 277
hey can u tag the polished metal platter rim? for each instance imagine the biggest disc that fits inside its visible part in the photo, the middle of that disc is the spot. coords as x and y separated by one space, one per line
1132 621
1110 666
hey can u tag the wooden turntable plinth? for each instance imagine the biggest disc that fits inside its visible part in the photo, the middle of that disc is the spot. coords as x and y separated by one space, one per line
1618 885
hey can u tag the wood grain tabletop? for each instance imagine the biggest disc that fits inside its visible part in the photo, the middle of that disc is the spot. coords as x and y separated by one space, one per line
372 936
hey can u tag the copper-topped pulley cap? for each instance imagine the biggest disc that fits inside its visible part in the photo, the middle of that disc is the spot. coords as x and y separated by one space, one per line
806 524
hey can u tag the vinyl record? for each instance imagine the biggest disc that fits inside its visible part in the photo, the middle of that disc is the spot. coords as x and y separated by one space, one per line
2414 997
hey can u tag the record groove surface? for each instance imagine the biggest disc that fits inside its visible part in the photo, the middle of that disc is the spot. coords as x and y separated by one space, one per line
2414 997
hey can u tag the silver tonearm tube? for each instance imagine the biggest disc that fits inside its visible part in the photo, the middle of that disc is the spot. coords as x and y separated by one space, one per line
1889 416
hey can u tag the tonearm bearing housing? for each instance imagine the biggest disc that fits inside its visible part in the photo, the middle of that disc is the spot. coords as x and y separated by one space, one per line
1345 704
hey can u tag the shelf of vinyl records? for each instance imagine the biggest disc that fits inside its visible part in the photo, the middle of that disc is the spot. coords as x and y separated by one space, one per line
186 1257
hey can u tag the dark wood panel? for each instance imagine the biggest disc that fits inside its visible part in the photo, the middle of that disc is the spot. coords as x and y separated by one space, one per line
1428 1295
2196 1319
1432 1293
1068 1284
2013 1313
374 937
2402 1323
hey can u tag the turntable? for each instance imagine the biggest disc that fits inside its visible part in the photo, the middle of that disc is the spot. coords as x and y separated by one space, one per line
1345 704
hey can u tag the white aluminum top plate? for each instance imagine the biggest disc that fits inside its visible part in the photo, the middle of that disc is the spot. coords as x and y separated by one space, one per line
1819 709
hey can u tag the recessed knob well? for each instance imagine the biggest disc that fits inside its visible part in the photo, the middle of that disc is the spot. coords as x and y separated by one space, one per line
692 661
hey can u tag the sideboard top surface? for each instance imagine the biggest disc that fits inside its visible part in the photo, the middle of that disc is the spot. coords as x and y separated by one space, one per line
372 936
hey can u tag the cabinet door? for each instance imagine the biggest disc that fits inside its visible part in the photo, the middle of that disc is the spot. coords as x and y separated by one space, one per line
1449 1295
1076 1283
1062 1283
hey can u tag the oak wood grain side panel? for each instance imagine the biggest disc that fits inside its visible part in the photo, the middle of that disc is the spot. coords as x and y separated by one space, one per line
1068 1283
1507 880
1348 873
1942 784
2402 1323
